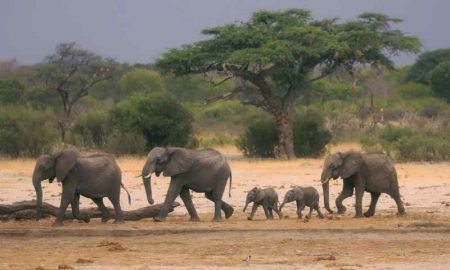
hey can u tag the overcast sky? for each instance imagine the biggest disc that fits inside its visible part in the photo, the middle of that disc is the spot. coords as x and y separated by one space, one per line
137 31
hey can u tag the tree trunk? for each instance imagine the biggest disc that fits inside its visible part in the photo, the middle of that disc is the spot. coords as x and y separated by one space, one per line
285 135
26 210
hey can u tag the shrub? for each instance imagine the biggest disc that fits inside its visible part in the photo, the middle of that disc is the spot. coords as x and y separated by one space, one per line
259 140
413 90
11 91
42 98
26 132
141 81
310 137
122 143
158 118
407 144
90 129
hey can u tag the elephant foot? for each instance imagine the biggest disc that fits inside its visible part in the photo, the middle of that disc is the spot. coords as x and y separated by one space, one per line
105 219
249 218
229 212
341 211
369 214
194 219
217 219
401 214
308 217
358 216
159 219
57 224
321 217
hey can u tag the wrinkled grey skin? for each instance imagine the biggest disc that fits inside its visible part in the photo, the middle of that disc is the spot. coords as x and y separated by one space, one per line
94 176
374 173
303 196
267 197
203 170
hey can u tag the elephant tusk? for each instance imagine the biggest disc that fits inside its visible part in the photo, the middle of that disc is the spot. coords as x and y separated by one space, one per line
147 176
325 181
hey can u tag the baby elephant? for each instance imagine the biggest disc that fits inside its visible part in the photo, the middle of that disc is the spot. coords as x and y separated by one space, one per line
267 197
304 196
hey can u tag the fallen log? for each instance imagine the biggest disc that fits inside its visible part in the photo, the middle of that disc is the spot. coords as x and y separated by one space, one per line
26 210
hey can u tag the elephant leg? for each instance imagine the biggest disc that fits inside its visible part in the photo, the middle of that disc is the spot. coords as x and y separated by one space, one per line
187 200
347 191
76 210
300 207
277 210
67 197
373 204
226 208
400 207
106 215
359 193
115 200
266 211
172 193
308 216
252 214
270 212
317 208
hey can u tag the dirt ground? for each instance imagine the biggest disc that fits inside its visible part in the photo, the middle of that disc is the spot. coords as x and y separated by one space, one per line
421 240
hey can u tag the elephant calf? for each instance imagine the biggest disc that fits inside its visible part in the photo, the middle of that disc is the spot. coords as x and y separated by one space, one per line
304 196
267 197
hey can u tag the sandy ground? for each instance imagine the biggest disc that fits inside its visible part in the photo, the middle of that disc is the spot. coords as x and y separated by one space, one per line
337 242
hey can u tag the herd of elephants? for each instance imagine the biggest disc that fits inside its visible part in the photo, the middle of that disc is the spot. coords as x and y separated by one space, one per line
96 176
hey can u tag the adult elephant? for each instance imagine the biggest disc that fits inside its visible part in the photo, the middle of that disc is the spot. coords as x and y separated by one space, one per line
198 170
374 173
94 176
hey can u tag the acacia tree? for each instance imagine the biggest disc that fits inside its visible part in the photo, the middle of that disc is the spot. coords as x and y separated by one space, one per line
71 72
276 55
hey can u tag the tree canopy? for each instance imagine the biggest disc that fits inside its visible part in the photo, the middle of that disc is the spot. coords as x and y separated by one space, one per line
275 55
426 62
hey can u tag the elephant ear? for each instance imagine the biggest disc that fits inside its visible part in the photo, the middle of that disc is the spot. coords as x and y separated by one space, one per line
64 163
351 163
260 194
180 161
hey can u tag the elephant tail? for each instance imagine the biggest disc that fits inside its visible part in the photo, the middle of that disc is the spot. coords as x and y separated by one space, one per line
229 191
129 197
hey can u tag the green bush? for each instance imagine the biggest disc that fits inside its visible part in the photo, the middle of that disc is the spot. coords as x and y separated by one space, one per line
160 119
310 135
90 130
259 140
126 143
407 144
11 91
261 137
41 98
26 132
413 91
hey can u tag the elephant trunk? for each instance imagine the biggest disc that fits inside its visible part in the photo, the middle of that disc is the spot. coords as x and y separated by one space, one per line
325 179
37 186
282 205
246 204
148 169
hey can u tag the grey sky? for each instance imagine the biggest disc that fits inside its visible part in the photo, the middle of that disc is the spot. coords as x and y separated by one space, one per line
138 31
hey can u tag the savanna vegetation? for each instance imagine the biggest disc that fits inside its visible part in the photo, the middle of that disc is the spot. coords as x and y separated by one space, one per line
282 84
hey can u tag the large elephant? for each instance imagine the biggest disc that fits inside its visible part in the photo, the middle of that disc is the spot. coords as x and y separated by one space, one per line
374 173
94 176
198 170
